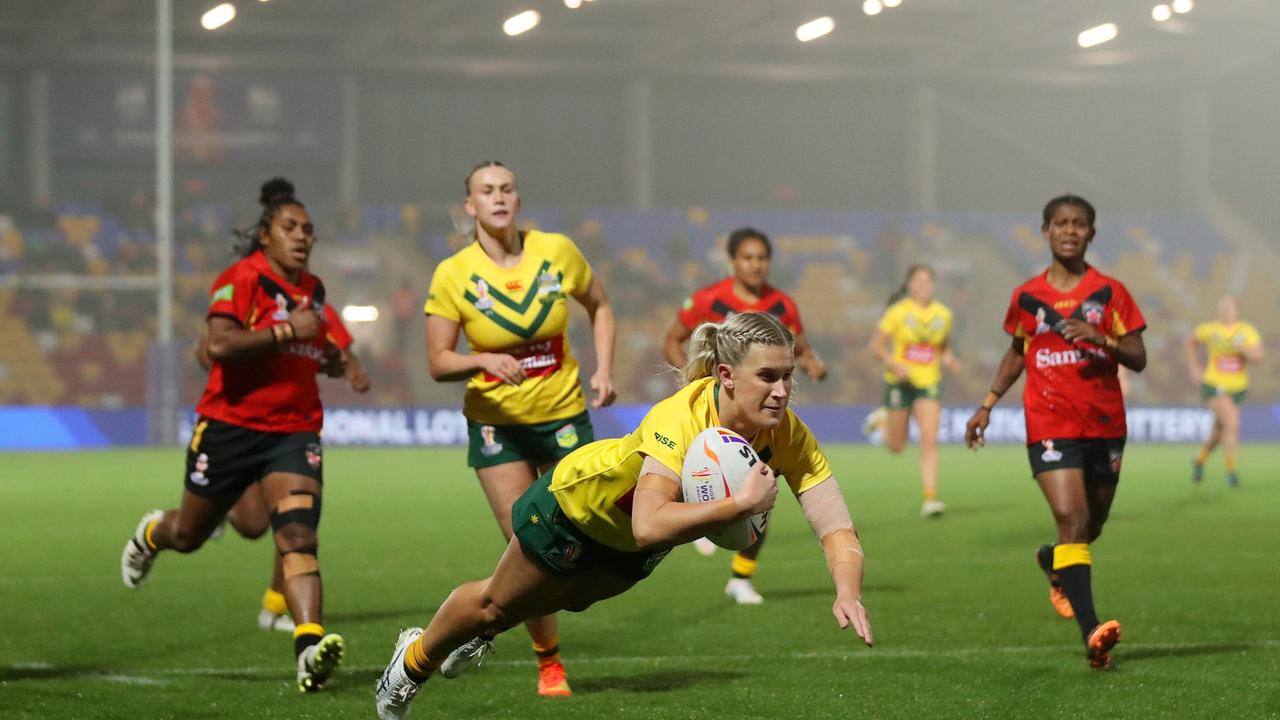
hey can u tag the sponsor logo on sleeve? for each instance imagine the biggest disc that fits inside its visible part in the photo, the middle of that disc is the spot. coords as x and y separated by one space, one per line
664 440
223 294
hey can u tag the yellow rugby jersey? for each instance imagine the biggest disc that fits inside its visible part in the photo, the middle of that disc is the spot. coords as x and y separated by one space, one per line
520 311
919 335
596 483
1226 367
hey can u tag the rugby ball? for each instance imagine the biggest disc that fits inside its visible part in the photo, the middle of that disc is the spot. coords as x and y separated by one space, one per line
715 465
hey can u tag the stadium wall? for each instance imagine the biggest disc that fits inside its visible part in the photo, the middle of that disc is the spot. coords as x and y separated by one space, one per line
71 428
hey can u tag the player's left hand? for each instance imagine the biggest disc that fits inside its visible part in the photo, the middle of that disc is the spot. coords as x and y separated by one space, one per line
851 612
334 364
1076 330
602 385
816 369
356 376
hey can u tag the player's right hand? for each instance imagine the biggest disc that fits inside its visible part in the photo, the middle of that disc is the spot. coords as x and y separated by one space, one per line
759 491
899 371
504 367
306 322
976 429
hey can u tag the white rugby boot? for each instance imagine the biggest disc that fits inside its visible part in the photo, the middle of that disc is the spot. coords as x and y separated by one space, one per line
395 689
741 591
137 558
472 653
317 663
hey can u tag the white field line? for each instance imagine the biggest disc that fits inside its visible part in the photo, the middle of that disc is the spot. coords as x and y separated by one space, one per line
149 677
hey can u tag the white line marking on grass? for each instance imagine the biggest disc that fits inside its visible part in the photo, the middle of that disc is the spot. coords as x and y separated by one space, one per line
145 677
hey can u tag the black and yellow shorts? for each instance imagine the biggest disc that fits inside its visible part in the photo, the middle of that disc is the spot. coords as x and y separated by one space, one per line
1208 392
538 443
226 459
1099 457
562 547
901 396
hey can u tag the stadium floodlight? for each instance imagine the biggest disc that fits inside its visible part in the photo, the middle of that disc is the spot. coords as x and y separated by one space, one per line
573 4
815 29
1161 12
891 3
872 7
360 313
218 16
1097 35
1182 6
522 22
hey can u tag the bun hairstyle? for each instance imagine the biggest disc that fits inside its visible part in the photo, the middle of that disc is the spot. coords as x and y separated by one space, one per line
272 195
901 292
729 341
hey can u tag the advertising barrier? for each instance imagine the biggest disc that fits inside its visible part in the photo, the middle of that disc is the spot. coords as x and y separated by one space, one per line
71 428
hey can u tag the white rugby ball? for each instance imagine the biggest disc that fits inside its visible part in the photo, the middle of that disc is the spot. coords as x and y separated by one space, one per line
714 467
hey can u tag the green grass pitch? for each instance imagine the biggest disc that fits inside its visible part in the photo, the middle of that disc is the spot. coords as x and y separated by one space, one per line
961 617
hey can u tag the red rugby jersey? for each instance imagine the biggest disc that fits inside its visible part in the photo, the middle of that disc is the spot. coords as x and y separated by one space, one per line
1072 390
718 301
334 330
275 391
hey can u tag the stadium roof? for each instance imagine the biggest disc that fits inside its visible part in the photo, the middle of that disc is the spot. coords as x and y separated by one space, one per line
927 40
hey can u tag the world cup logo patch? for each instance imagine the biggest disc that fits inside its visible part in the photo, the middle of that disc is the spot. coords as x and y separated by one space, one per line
314 455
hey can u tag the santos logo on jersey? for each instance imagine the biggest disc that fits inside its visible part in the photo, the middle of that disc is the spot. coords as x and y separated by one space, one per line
1046 358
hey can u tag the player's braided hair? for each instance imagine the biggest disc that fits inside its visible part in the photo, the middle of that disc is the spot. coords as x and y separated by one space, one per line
728 342
272 195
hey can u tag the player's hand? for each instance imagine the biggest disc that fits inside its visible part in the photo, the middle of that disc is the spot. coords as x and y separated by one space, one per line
975 431
759 491
602 385
899 370
1195 374
816 369
952 362
306 322
334 364
357 378
504 367
851 612
1077 330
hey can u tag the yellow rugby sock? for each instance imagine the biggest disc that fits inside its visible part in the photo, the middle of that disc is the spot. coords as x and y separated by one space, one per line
417 665
146 535
743 567
1202 456
305 635
1073 564
548 653
1231 463
274 602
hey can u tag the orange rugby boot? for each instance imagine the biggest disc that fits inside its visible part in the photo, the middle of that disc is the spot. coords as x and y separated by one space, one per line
1101 640
552 681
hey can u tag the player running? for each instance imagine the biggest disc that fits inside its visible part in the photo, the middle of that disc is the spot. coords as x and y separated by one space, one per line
746 290
250 517
1071 325
259 421
607 514
912 341
1232 345
506 292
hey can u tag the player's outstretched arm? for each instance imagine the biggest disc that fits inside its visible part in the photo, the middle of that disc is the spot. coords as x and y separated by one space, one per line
828 516
1007 373
659 519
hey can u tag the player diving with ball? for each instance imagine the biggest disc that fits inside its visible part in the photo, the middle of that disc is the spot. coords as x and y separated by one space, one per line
607 514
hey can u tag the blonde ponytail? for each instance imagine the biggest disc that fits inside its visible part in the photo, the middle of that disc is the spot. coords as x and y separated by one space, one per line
729 341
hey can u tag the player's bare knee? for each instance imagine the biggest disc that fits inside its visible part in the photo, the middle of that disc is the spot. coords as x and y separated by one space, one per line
895 446
295 520
1073 524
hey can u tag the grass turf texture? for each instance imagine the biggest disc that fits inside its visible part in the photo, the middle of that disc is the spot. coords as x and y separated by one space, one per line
961 618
